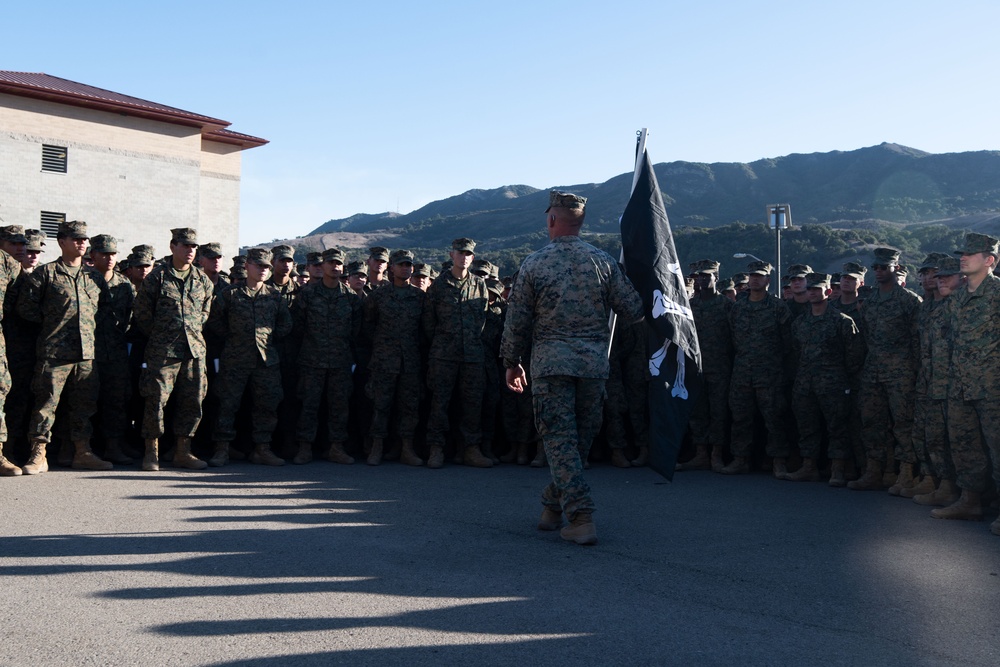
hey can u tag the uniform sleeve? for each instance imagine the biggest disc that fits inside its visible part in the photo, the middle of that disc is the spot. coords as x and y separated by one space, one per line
29 301
282 319
854 346
516 339
144 306
217 323
428 318
625 300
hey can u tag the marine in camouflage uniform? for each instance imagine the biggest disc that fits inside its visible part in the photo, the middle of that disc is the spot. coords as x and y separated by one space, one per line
66 299
852 278
626 389
828 349
250 317
393 325
561 312
453 320
930 426
328 316
21 337
111 348
288 347
973 400
758 381
210 260
171 308
710 415
492 330
889 374
10 269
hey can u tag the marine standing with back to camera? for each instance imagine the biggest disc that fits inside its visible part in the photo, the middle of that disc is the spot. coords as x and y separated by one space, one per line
559 308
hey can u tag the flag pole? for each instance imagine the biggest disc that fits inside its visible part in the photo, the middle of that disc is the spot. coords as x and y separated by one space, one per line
640 151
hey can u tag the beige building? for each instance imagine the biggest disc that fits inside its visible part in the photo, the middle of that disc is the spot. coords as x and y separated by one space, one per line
129 167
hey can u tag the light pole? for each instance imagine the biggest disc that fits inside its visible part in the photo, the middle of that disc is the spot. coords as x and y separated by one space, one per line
779 216
744 255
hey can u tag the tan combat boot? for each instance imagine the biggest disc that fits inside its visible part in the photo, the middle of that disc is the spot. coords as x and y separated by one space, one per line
619 460
779 468
220 456
511 455
262 455
487 450
945 495
474 457
408 456
151 459
539 461
642 458
375 455
86 459
871 480
113 452
183 458
7 469
738 466
37 461
968 507
305 453
336 454
904 480
700 461
837 467
807 472
581 529
435 459
717 462
927 484
550 520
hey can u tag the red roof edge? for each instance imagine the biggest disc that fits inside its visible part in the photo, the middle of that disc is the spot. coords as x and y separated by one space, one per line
235 138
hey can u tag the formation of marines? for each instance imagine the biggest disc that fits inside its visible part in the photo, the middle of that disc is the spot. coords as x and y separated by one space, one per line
339 359
388 359
892 390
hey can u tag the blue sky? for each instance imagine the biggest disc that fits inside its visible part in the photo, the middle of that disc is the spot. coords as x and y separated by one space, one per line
390 105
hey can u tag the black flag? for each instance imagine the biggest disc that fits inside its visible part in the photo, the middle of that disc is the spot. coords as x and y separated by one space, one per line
672 341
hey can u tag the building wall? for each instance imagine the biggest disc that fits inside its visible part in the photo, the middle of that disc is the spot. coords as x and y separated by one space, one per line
126 176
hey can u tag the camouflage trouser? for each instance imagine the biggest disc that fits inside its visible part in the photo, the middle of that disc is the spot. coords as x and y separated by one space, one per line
265 394
184 379
974 434
491 401
744 400
568 417
116 391
930 438
811 411
5 384
81 385
20 398
710 414
339 385
401 390
443 377
518 416
882 403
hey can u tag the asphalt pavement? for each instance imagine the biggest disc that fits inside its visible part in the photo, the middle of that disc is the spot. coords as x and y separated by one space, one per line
391 565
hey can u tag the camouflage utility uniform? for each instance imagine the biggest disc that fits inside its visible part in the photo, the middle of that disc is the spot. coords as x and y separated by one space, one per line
560 312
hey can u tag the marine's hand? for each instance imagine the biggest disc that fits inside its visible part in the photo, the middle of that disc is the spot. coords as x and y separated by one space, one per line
516 380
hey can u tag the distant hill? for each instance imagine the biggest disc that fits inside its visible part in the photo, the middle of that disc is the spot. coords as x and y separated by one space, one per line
887 182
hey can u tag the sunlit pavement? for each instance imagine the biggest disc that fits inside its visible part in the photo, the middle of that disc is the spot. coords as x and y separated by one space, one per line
327 564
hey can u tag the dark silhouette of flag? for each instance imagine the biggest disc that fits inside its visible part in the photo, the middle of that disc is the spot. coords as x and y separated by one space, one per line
672 341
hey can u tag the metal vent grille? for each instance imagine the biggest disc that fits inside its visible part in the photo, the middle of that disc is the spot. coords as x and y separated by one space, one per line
51 221
54 158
